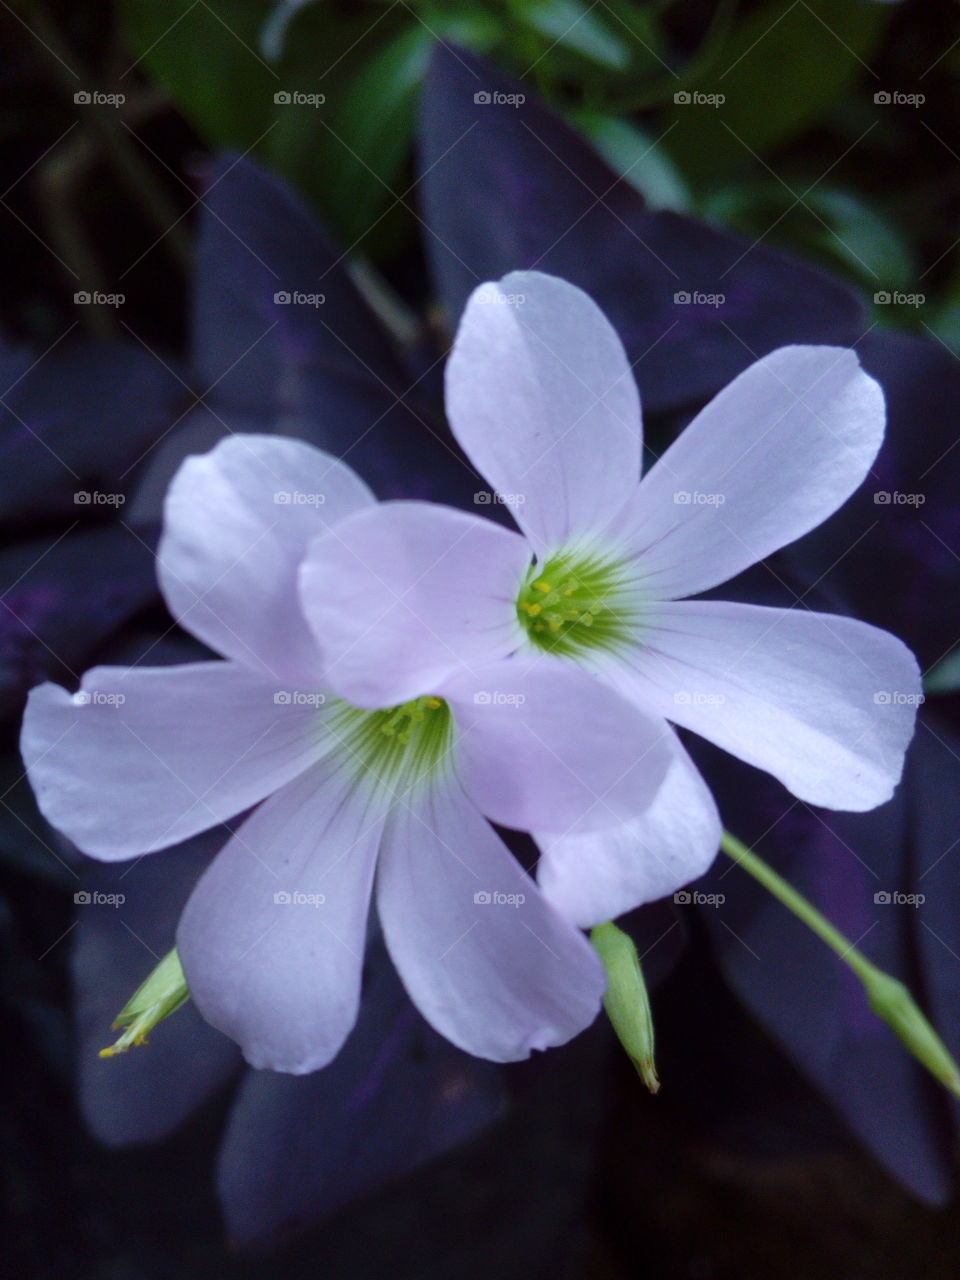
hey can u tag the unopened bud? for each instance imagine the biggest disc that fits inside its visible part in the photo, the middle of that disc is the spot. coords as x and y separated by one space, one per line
164 991
626 1001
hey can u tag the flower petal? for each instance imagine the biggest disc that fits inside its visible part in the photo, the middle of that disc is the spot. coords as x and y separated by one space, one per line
143 757
824 703
542 398
237 524
272 938
769 458
404 594
543 745
600 875
483 956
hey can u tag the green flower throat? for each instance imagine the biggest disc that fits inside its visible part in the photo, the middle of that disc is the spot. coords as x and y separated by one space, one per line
575 602
399 746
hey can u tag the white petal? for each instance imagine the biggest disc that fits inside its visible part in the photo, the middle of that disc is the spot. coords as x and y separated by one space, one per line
769 458
483 956
272 938
824 703
237 523
543 745
143 757
600 875
542 398
403 595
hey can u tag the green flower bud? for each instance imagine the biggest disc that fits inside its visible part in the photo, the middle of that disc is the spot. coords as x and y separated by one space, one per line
164 991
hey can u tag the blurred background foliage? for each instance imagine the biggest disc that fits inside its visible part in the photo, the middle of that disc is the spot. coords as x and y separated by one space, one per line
799 156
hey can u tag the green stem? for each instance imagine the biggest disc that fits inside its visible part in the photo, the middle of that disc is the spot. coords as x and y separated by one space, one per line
889 999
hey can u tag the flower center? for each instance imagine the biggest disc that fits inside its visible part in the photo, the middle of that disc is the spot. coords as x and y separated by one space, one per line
577 601
399 746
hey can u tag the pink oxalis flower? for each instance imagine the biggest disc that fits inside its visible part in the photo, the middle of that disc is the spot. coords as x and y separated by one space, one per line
542 399
272 939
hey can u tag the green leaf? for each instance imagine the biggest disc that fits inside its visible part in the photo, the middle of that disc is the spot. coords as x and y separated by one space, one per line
945 676
835 226
348 156
209 62
634 155
577 27
781 69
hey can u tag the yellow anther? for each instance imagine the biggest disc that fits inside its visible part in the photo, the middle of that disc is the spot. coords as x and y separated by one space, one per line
434 703
542 586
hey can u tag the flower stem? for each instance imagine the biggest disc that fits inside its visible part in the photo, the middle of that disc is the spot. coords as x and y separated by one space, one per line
889 998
